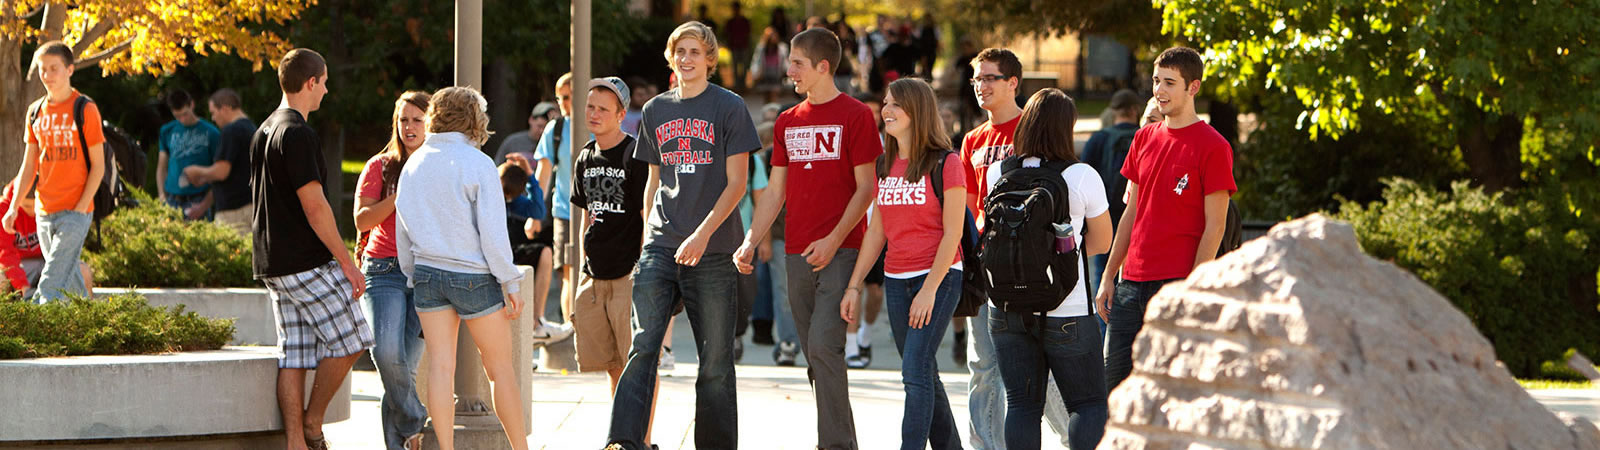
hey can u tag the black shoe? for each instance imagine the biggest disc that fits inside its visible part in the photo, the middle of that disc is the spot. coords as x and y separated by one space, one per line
761 332
866 351
958 352
785 353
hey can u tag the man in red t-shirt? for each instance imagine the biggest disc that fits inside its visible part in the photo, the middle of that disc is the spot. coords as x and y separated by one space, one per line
1180 175
826 146
997 74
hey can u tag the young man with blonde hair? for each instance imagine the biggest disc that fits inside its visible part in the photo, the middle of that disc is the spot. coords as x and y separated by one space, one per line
697 139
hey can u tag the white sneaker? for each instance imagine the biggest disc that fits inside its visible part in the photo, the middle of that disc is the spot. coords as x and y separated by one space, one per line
786 353
548 333
668 363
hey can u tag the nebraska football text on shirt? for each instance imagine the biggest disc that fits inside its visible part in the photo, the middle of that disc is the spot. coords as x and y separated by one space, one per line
813 143
898 191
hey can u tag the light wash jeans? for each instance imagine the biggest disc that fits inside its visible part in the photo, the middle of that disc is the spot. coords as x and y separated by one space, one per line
397 349
61 238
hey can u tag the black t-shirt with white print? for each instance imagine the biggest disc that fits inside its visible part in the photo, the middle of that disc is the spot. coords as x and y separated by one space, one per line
610 186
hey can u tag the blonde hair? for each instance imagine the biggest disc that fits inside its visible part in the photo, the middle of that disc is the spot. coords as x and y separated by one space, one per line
564 80
695 30
461 110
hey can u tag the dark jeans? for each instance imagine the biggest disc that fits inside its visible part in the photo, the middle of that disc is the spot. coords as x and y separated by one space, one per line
927 418
658 283
1031 348
1127 318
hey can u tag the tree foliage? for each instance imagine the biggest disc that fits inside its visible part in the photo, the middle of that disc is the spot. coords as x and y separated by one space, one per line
1493 72
1134 22
154 36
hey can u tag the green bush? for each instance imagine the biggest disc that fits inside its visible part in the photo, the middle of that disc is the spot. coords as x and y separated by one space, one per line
1521 267
152 245
117 325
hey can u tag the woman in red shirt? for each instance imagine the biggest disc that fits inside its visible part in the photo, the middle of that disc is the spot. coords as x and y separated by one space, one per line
923 234
388 303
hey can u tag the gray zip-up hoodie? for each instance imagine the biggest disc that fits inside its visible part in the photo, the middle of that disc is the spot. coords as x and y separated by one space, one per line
450 212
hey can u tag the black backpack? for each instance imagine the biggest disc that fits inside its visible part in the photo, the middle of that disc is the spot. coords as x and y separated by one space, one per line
1021 265
974 289
1117 142
105 197
1232 235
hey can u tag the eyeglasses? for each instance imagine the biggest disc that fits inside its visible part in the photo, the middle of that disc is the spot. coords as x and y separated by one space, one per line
986 78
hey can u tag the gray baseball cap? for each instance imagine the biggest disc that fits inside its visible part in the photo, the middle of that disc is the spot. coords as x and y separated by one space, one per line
615 85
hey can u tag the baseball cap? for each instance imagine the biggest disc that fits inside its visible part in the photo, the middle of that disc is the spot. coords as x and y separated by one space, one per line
615 85
543 109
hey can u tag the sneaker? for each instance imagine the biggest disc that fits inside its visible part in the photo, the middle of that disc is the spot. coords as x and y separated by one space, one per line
738 349
548 333
860 361
668 363
866 351
958 352
785 353
535 362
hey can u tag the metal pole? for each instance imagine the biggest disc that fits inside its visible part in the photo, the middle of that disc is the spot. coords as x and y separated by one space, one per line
581 73
473 407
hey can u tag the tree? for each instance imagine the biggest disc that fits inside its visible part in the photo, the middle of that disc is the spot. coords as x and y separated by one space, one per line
1512 81
128 36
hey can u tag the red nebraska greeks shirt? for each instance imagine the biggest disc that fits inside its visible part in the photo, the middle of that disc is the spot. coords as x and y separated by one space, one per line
821 145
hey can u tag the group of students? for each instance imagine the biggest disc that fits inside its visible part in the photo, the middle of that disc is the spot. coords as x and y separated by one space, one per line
654 214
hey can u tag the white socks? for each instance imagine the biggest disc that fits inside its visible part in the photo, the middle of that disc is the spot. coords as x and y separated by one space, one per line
863 334
850 349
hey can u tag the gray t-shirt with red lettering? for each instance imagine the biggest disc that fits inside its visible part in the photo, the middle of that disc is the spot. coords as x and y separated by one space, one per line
691 139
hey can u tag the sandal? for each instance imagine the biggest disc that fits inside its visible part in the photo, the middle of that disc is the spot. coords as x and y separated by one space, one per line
317 443
414 442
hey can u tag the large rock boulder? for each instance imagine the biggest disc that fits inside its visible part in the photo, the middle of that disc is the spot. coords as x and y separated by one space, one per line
1300 340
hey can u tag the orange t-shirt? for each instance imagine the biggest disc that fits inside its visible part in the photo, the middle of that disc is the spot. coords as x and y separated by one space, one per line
63 173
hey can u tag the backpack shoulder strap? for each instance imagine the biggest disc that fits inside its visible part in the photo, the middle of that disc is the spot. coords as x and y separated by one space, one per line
936 176
78 106
555 147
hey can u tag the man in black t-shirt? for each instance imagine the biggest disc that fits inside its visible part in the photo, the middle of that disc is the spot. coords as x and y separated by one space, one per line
608 193
299 256
232 187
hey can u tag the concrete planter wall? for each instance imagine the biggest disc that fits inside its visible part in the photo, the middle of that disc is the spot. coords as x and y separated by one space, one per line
229 394
253 311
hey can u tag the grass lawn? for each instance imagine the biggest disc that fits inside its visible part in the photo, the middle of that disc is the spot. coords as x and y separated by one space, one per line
1555 384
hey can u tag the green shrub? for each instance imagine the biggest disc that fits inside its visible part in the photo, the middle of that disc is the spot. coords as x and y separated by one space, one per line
1521 267
152 245
117 325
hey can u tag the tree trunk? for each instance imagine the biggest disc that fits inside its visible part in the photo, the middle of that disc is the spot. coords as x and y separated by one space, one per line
14 108
1492 149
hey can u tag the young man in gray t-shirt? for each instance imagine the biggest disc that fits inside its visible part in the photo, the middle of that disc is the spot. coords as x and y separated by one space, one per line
697 139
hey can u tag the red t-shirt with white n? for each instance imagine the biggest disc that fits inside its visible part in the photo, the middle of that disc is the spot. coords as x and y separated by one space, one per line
913 218
1175 169
821 145
982 147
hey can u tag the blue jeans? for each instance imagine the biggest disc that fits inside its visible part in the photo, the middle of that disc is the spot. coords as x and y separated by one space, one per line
183 202
927 409
658 282
986 393
1097 268
61 238
1031 348
397 349
773 302
1127 318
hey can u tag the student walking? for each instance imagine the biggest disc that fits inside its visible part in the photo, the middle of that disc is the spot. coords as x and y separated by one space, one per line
230 188
65 156
388 301
186 142
697 139
1056 340
299 256
825 147
450 240
921 288
1180 175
